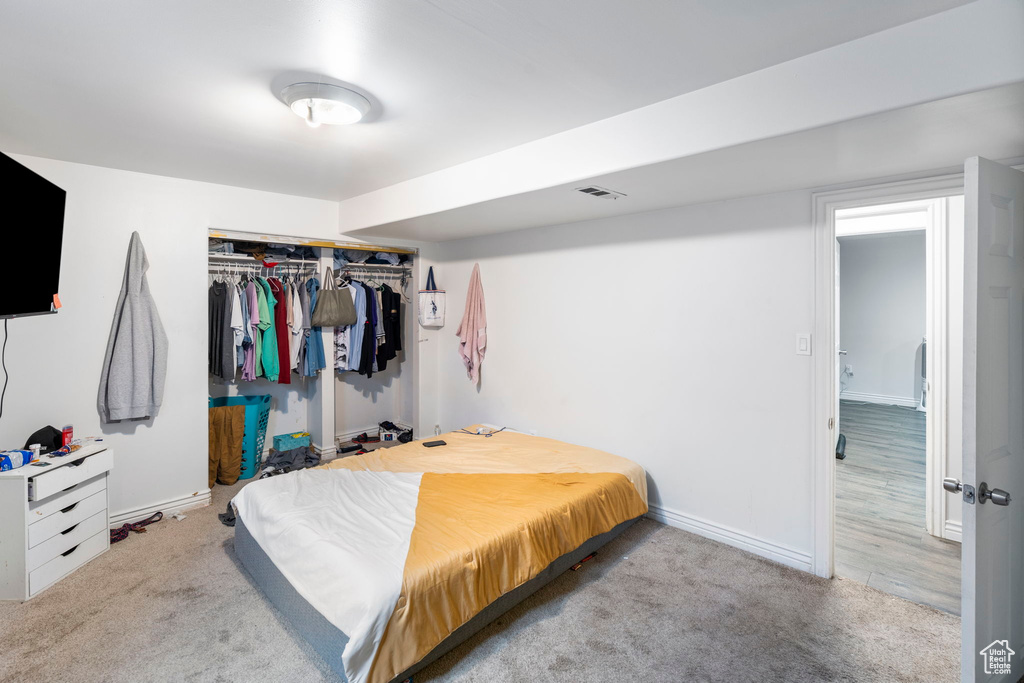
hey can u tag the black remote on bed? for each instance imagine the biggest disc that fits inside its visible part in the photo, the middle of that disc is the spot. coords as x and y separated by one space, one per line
431 444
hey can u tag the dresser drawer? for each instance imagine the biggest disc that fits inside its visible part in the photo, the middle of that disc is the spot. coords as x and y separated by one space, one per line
67 562
69 538
67 517
46 484
38 510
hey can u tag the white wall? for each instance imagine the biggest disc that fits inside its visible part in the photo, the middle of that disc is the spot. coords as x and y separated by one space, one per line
362 403
666 337
882 312
426 351
55 360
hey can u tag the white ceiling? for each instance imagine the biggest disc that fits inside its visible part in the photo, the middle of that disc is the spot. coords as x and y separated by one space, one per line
934 135
187 88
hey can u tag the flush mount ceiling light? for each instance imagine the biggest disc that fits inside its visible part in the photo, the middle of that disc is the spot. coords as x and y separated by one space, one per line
324 103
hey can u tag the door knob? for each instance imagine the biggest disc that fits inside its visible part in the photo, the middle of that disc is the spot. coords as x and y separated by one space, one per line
997 496
953 485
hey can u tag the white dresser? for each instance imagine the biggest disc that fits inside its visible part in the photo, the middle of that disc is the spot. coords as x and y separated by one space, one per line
53 520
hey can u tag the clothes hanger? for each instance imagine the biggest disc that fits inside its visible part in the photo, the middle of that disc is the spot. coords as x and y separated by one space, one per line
371 279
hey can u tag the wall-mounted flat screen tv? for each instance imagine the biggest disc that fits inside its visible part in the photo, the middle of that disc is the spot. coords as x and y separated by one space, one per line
33 236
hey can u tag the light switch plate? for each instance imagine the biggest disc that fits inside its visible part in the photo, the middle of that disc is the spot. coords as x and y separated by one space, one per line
803 344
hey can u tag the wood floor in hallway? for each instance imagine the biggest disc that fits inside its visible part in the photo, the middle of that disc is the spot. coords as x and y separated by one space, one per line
880 509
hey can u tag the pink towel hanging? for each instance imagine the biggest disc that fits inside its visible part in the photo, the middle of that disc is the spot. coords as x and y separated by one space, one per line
472 330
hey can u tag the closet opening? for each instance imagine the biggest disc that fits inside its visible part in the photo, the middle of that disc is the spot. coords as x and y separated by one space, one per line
375 408
898 326
343 386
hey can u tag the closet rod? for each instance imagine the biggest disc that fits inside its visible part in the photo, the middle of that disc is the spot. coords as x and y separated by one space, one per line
226 269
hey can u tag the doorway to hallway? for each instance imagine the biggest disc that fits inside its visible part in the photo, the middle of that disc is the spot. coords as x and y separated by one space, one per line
891 533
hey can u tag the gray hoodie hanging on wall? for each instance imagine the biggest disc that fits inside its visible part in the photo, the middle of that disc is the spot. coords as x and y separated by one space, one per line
134 369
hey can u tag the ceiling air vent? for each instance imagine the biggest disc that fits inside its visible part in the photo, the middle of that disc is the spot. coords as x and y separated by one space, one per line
603 192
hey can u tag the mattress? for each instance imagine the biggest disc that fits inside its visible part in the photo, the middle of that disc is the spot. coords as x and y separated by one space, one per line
400 550
329 642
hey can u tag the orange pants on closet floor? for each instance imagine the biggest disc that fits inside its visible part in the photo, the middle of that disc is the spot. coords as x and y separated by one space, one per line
227 426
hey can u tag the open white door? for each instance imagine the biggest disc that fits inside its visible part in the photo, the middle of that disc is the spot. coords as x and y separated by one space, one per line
993 427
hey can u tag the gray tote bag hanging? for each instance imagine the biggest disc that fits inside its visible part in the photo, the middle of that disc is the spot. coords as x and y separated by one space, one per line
334 307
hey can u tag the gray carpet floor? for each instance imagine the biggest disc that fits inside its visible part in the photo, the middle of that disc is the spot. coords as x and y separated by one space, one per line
657 604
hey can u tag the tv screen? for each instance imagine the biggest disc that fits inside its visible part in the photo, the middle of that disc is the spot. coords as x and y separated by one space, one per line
37 231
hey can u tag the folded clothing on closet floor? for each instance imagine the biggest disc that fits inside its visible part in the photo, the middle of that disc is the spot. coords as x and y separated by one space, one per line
279 462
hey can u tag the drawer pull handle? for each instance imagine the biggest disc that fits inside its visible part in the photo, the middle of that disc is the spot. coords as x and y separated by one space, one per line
68 552
78 462
69 508
68 530
69 488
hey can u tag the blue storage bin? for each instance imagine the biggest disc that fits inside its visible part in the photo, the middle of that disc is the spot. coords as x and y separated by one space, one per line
257 410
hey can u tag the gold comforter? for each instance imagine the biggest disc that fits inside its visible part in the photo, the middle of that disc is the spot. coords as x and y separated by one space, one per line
492 513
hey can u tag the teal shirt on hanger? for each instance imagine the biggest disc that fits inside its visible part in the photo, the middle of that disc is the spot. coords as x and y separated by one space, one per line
271 367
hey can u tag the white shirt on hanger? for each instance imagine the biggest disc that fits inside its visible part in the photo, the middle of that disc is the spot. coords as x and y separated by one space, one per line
236 317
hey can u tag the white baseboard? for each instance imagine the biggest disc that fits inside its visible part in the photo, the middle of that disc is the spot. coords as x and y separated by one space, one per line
346 437
325 454
878 398
349 435
772 551
953 531
201 499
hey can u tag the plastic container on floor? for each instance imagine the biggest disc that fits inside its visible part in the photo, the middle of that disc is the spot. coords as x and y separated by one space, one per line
257 410
286 442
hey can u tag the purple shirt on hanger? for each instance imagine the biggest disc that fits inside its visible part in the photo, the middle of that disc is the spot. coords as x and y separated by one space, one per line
249 366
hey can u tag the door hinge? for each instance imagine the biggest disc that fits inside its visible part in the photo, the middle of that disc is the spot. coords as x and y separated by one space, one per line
831 422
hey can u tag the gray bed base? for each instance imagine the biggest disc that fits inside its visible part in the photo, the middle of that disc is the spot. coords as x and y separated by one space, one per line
329 641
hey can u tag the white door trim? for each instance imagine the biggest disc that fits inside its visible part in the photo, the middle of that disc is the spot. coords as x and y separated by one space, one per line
936 376
825 383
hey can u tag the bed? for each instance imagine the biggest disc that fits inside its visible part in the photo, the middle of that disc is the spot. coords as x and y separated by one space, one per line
385 561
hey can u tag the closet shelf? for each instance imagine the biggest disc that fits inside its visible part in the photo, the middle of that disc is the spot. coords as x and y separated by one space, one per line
380 266
247 259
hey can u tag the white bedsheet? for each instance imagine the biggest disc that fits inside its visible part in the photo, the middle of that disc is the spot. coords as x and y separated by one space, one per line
341 538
